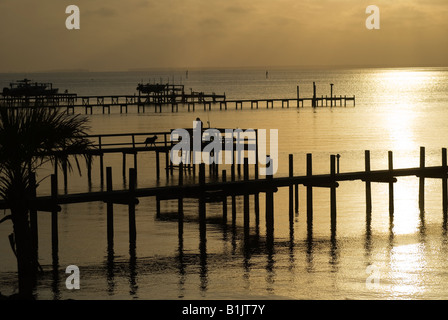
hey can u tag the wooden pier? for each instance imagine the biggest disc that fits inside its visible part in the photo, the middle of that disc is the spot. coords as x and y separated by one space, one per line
131 144
170 98
221 189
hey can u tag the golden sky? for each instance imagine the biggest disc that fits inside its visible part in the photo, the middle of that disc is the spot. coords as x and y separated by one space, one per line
120 35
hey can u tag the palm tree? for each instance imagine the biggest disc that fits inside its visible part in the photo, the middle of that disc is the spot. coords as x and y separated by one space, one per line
29 138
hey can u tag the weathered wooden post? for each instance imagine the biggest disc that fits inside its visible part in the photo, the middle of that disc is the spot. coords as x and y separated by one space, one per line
180 201
101 161
157 165
233 196
291 192
331 94
167 164
64 172
256 195
202 203
110 209
224 199
333 194
124 165
313 104
132 186
296 196
89 169
269 205
368 184
444 183
298 96
246 197
135 154
391 185
309 188
422 180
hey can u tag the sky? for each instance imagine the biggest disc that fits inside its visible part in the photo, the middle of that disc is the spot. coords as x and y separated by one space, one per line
117 35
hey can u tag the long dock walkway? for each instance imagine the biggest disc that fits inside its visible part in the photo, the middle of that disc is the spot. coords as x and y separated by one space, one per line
170 100
222 189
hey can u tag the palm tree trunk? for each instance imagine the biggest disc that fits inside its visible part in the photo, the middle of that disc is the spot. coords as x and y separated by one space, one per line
26 258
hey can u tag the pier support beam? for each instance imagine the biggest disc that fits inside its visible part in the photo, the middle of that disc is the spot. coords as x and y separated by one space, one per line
180 201
132 224
291 192
269 208
296 196
124 166
333 195
224 200
309 189
233 196
157 165
421 193
444 184
110 209
202 203
246 198
391 185
101 162
298 96
368 186
89 169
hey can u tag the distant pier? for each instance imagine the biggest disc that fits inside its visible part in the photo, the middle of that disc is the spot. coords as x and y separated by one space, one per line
169 97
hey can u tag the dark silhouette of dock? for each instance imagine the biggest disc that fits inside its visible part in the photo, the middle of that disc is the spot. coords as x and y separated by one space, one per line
220 190
169 97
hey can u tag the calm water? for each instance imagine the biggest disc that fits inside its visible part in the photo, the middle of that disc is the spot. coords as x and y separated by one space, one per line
396 109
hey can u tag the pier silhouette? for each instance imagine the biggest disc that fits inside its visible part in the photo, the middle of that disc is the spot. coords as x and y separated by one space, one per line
220 190
168 96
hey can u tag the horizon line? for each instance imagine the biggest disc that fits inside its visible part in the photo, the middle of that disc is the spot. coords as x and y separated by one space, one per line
267 68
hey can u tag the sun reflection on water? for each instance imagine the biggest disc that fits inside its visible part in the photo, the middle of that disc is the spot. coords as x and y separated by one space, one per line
407 263
406 214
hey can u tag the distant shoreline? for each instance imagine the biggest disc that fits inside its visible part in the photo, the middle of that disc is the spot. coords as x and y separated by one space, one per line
180 69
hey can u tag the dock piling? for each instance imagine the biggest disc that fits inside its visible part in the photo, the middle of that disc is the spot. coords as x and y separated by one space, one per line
202 203
391 185
180 201
444 183
269 205
246 197
233 196
224 199
333 194
421 194
291 192
132 225
368 184
110 209
309 188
